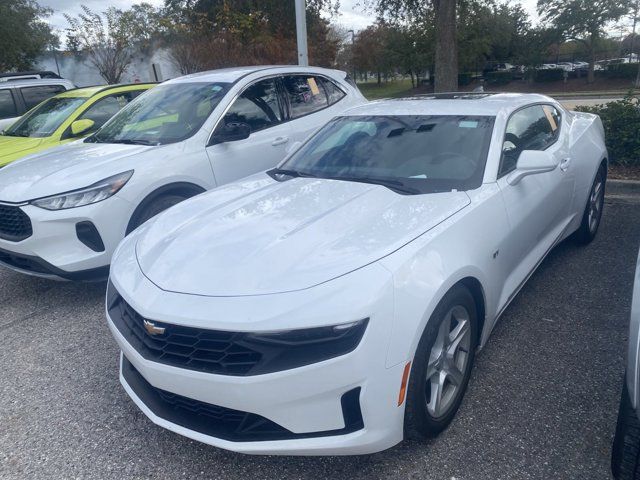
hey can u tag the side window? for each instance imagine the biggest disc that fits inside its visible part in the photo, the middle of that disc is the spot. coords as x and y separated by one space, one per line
7 105
305 95
258 106
105 108
32 96
532 128
334 94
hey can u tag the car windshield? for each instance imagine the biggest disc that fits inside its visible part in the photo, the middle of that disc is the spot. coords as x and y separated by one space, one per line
408 154
46 118
165 114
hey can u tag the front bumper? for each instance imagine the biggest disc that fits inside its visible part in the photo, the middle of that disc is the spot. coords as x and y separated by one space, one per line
311 406
53 250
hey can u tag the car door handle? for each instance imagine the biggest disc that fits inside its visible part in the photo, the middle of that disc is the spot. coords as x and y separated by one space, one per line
280 141
564 164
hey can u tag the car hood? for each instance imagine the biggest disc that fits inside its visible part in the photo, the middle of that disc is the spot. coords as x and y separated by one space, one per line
261 237
60 169
10 147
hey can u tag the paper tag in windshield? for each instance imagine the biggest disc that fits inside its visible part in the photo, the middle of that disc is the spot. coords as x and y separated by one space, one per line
468 124
548 112
313 86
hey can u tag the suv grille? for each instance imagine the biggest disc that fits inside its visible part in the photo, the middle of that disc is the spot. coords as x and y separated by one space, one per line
15 225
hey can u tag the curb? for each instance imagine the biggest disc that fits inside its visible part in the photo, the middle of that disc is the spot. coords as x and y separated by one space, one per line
623 187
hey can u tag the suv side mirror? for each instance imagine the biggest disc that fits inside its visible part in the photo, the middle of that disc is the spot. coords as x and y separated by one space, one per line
532 162
231 132
81 126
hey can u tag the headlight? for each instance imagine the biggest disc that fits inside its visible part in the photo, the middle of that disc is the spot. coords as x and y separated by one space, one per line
92 194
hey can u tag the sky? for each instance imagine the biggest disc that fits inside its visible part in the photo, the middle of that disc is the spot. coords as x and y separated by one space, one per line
352 15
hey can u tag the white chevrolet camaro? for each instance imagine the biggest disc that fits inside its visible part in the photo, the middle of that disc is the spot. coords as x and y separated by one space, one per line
64 211
334 304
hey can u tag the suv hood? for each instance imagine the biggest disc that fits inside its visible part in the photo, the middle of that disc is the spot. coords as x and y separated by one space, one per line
10 147
261 237
60 169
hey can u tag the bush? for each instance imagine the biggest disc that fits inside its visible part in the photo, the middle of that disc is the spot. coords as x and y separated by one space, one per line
621 120
622 70
498 78
550 75
464 79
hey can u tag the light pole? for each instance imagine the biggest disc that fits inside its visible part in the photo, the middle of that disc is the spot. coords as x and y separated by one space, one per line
353 53
301 32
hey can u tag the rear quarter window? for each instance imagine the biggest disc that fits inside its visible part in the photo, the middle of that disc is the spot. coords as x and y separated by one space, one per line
7 104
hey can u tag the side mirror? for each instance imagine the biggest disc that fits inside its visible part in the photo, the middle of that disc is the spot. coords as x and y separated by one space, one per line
532 162
231 132
81 126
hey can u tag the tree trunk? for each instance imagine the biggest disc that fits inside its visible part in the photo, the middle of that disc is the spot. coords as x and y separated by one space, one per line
591 75
446 48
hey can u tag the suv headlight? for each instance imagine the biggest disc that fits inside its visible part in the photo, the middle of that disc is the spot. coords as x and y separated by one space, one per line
85 196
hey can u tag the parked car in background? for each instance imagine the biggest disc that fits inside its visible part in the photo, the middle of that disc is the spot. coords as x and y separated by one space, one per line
625 455
64 118
566 66
19 96
28 75
334 304
63 212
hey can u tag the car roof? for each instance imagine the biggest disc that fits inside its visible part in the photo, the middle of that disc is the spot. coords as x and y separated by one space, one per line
231 75
34 82
461 103
87 92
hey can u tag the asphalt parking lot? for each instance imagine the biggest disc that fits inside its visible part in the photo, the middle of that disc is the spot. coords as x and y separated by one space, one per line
542 401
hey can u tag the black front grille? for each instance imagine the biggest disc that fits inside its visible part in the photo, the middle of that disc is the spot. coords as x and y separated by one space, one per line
225 352
15 225
226 423
210 351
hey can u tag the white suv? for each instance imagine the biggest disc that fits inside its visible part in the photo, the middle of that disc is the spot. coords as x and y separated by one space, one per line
63 212
21 95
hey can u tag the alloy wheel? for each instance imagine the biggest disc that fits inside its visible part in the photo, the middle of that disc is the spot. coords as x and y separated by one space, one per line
596 200
448 361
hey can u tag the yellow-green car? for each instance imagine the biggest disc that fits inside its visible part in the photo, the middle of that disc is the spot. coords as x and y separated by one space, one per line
64 118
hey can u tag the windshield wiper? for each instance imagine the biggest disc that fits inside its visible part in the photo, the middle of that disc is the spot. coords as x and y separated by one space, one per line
290 173
128 141
395 185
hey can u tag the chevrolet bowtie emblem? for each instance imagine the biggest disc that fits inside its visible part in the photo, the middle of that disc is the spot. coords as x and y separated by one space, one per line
152 329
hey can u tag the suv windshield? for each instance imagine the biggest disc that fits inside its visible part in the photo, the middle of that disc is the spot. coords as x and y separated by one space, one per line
165 114
45 119
408 154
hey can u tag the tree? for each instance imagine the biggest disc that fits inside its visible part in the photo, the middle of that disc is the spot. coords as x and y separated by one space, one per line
444 15
110 39
446 46
216 33
23 34
584 21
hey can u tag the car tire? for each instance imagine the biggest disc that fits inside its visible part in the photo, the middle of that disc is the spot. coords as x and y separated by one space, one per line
593 210
625 454
434 358
155 207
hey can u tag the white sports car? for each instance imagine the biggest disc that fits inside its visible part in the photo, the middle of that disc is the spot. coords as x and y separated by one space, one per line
64 211
334 304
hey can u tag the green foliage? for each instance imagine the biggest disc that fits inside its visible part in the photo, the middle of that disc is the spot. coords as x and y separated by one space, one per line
464 79
203 34
548 75
585 21
498 78
621 120
23 34
622 70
